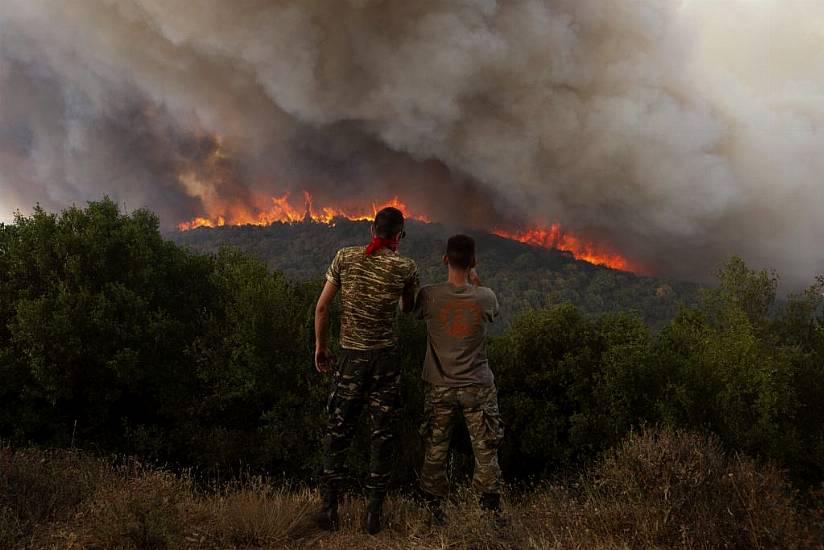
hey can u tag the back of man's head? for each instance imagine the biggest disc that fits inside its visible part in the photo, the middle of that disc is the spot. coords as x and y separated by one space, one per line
388 222
460 251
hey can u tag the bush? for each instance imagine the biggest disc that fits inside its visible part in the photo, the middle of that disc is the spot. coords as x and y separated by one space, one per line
111 336
570 386
667 488
673 488
42 487
753 379
115 339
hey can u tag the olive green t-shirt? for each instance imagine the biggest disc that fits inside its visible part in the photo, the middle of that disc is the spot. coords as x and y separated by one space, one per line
456 318
370 288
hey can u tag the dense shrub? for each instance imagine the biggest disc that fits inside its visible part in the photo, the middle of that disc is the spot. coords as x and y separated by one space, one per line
570 385
42 487
750 377
673 488
115 339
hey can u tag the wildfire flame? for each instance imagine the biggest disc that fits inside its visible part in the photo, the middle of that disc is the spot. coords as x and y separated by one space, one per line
556 237
204 180
282 210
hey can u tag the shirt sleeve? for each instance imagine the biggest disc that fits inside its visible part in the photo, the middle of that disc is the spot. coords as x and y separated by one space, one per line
333 273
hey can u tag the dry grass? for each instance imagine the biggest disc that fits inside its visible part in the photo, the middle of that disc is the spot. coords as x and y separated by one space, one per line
661 489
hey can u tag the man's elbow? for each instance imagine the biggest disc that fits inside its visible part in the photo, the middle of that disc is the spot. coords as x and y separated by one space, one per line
321 309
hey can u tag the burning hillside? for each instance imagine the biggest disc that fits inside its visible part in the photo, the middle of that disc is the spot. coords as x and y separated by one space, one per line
664 134
216 171
281 209
556 237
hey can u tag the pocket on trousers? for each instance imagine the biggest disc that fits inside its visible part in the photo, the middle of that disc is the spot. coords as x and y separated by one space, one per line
425 428
336 375
493 423
333 391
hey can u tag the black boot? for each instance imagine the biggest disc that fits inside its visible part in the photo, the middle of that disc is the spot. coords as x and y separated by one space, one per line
372 523
327 517
491 502
438 516
432 504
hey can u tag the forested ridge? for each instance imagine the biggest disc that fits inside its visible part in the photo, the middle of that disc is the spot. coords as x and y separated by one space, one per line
525 277
115 339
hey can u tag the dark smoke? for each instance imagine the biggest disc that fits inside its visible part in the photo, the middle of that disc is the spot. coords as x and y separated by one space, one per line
679 132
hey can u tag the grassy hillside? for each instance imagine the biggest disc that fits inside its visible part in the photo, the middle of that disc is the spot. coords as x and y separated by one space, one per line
665 489
524 276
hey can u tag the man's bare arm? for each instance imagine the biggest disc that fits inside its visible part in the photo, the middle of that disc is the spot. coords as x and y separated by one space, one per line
408 298
324 359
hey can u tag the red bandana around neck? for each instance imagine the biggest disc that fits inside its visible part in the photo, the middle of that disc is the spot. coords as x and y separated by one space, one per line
378 243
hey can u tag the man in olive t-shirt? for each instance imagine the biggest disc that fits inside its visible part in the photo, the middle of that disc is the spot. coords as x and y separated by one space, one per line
459 380
456 318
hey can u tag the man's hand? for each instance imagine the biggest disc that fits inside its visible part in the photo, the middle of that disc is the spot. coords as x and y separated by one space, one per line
324 360
473 277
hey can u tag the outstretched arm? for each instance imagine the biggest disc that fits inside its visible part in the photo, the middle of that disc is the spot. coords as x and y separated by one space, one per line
324 359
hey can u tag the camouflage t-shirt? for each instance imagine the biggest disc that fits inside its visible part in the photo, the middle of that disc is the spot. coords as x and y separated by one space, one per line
370 288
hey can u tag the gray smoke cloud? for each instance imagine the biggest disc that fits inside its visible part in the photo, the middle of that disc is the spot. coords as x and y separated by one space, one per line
678 132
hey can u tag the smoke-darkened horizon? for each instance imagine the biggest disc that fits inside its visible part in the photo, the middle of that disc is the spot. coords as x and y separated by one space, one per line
675 132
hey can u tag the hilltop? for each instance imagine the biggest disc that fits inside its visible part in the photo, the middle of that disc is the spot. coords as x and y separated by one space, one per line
524 276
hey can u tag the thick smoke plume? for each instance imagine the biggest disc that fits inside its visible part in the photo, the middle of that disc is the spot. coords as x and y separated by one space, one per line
678 132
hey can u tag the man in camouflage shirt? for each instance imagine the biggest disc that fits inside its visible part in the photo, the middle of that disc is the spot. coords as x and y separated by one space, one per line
371 281
458 379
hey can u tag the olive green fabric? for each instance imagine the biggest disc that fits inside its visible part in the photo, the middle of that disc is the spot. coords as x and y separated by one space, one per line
443 406
370 288
456 318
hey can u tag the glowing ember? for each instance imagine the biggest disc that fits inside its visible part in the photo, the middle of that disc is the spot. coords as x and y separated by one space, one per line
556 237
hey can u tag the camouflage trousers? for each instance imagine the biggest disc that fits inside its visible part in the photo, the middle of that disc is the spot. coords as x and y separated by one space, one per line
443 406
371 378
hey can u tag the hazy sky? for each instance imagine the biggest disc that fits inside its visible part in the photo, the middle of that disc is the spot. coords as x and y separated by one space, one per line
679 132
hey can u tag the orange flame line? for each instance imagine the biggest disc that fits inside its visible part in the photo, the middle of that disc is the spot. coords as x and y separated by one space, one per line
279 209
555 237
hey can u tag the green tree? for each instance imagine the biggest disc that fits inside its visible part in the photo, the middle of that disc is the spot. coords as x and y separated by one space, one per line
570 385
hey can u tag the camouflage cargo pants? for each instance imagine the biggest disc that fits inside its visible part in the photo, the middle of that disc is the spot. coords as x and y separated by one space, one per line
443 406
361 378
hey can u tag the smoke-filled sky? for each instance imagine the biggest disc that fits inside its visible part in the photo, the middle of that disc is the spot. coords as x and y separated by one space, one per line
678 132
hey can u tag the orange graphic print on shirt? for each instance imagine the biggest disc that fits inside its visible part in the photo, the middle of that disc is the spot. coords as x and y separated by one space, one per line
460 318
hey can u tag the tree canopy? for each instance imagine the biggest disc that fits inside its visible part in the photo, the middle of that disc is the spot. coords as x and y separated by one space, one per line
114 338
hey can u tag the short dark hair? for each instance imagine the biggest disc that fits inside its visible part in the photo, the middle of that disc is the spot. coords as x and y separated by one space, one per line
460 249
388 222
